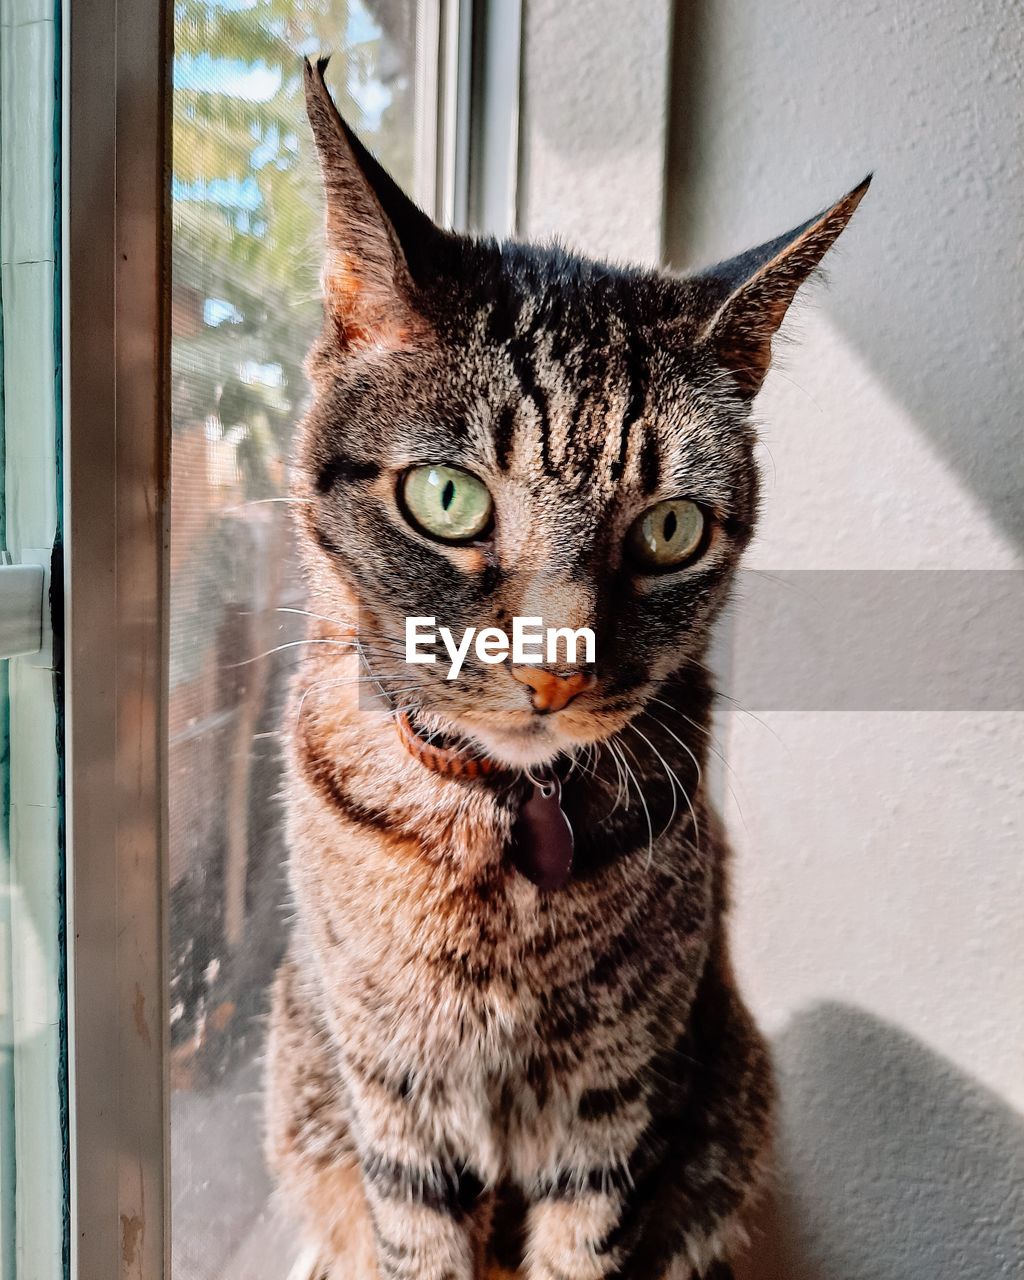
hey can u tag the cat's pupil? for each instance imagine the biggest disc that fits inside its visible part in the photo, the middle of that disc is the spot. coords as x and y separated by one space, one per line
447 494
670 526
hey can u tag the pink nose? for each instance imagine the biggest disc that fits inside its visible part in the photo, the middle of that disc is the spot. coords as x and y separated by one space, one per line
552 692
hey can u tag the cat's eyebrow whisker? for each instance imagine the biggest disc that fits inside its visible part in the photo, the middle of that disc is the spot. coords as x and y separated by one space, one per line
727 375
786 377
762 441
723 375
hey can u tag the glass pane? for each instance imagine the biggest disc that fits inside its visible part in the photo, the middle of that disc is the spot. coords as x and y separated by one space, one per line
245 306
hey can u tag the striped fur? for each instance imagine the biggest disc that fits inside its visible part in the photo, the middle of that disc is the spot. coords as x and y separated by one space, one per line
468 1077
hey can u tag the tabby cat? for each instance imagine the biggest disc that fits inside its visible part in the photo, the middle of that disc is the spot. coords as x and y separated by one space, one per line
472 1073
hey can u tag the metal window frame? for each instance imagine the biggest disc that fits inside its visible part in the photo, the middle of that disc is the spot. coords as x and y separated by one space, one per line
495 87
455 70
116 134
116 140
444 69
468 167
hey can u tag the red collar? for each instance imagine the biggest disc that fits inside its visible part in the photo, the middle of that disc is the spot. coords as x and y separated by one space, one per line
541 841
450 761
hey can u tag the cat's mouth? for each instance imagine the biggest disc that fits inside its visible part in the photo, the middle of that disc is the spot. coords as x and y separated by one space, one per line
525 741
532 744
516 740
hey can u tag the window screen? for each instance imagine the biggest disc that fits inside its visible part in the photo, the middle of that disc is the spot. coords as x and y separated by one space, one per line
246 247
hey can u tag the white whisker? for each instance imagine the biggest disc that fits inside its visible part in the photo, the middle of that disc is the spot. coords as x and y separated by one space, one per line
643 801
351 680
712 747
344 622
622 789
686 797
324 617
670 774
290 644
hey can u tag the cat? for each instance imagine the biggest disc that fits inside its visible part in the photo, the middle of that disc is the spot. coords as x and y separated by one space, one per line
471 1072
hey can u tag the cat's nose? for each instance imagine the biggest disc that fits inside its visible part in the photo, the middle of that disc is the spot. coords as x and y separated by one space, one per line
552 692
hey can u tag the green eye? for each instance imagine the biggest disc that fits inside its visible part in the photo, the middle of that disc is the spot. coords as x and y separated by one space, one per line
446 502
667 535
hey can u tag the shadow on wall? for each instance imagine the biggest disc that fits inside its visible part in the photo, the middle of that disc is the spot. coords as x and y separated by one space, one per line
786 103
893 1165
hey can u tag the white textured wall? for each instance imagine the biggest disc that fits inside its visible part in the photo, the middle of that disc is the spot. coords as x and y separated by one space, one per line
595 109
880 870
880 866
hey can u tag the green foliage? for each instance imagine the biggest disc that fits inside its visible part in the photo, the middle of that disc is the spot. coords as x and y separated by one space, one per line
247 208
246 248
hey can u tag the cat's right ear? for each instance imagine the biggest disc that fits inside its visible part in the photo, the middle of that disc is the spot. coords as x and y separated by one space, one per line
754 291
374 233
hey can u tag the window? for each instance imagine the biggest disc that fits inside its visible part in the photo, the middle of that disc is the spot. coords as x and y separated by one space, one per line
245 263
160 219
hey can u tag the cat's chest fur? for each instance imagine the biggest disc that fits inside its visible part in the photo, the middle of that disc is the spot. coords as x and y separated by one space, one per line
445 971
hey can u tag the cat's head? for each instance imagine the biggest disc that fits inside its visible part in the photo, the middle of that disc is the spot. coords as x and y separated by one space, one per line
502 430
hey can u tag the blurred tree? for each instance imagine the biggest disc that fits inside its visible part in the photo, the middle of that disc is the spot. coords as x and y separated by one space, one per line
246 219
247 206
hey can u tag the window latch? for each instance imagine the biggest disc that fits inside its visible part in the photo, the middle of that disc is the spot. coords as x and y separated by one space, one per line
25 630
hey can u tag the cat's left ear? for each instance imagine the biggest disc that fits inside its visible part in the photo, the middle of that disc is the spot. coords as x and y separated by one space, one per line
760 285
377 240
